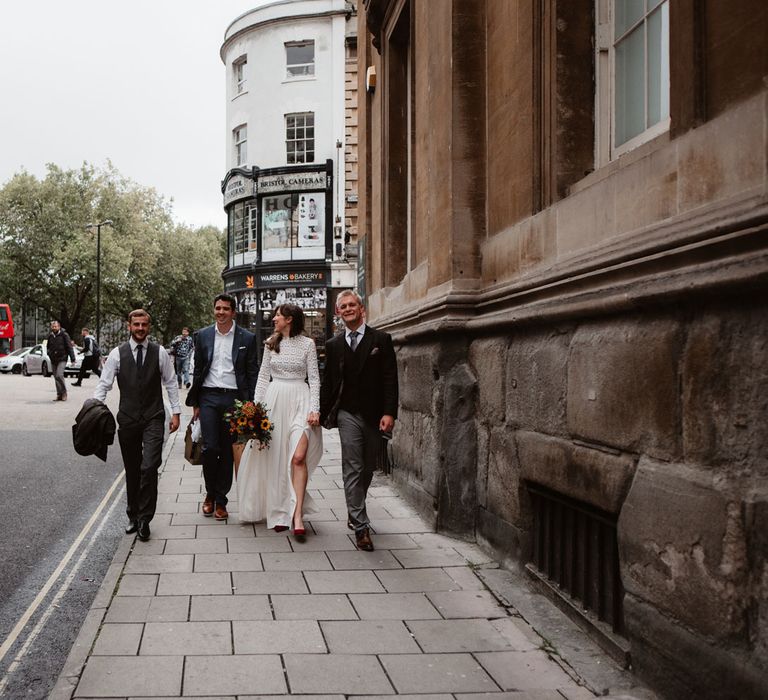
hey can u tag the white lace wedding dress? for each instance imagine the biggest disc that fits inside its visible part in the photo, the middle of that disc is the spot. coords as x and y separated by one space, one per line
264 486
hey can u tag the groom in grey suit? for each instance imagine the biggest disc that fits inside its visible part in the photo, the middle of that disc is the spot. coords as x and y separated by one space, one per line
359 394
226 369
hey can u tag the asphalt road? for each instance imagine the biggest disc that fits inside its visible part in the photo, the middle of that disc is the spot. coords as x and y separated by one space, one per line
48 493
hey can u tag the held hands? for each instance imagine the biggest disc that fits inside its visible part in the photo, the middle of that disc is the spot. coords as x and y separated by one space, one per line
313 418
196 413
386 424
173 426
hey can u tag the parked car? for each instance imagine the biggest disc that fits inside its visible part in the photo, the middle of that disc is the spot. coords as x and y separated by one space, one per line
14 361
72 368
37 362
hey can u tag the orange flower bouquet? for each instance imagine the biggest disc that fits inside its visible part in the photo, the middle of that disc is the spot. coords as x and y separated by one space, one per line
250 421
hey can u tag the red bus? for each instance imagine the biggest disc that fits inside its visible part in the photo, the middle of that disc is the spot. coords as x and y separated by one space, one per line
6 330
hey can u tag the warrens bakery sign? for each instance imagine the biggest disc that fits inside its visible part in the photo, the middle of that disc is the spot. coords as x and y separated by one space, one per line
292 182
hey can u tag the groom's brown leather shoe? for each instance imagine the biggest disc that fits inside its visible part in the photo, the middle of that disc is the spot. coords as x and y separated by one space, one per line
363 538
221 512
208 507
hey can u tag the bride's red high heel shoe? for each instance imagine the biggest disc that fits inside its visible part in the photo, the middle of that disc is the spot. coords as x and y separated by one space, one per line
299 533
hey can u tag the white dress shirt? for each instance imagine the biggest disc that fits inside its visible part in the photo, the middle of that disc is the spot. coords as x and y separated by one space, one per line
221 375
167 373
360 333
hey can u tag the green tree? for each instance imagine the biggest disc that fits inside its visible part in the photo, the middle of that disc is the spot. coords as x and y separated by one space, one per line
48 254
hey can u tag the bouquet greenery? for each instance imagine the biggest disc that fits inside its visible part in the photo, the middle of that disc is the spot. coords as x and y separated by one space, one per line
250 421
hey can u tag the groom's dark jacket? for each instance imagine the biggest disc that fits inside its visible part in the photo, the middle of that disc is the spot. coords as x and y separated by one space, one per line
363 382
244 359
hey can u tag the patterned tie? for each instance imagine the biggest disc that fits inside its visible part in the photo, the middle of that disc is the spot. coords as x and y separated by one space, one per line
139 357
353 340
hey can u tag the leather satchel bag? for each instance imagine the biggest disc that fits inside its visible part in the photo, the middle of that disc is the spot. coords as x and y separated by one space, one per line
193 451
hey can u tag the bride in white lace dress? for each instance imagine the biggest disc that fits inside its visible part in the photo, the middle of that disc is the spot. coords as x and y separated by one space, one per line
272 483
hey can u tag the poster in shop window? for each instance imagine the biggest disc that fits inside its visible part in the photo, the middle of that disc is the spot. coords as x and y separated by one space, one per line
311 217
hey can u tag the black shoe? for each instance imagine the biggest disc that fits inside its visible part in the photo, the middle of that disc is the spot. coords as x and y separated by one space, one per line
188 384
76 383
131 527
143 531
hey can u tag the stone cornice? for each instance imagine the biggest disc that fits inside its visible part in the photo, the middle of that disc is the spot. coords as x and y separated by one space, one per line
722 248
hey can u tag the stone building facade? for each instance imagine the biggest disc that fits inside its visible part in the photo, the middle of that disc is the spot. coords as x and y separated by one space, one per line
563 214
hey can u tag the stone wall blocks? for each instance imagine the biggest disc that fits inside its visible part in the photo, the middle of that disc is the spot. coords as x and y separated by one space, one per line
458 443
683 665
417 378
536 381
586 474
682 547
506 496
488 357
725 389
623 385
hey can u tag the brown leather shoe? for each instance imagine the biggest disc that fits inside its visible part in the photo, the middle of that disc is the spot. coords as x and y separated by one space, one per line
221 512
208 507
363 538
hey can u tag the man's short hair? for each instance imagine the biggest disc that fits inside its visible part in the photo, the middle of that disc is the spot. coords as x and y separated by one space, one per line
186 328
85 330
228 298
350 293
139 313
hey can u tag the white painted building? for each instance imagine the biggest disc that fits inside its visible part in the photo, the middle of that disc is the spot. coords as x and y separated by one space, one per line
284 189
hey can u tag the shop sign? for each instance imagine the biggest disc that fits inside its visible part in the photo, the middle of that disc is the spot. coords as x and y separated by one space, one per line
238 187
292 182
290 279
262 280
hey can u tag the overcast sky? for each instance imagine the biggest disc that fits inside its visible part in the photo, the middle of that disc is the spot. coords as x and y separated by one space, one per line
138 82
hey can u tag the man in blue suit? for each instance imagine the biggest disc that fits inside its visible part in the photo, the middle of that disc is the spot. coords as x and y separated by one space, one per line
226 368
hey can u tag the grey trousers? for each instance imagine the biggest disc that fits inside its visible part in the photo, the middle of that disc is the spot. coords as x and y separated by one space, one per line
360 446
58 378
141 445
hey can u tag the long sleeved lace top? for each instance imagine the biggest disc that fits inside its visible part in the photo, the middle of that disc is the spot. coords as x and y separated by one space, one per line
297 359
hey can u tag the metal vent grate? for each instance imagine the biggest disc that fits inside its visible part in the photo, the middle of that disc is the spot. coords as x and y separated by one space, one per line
575 547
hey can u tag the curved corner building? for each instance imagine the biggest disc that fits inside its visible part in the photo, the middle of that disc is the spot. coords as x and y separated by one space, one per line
291 72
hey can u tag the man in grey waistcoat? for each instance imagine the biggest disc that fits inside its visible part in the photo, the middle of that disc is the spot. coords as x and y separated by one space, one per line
142 368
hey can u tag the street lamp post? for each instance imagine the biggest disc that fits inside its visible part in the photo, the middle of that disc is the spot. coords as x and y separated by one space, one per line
106 222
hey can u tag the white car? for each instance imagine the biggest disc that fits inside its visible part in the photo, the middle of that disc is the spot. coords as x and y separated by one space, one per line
37 362
14 361
73 368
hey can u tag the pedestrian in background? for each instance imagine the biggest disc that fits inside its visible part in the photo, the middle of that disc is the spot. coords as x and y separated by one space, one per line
182 348
142 368
91 358
59 348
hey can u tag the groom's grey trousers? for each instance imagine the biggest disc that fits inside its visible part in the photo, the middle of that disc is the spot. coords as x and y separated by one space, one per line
360 447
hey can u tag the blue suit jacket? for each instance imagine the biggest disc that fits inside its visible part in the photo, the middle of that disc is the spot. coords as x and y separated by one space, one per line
244 358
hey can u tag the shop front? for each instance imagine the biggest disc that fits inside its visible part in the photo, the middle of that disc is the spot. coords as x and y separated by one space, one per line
259 293
280 246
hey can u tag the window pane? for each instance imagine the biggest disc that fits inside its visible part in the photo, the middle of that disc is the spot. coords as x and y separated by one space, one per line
658 65
654 3
630 87
300 53
627 13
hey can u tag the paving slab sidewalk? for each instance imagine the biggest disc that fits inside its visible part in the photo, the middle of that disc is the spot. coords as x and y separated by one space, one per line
232 610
